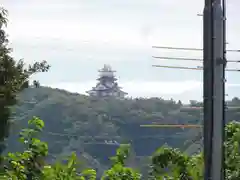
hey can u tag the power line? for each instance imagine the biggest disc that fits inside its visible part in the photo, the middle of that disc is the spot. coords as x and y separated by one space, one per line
201 107
190 68
177 67
189 49
188 59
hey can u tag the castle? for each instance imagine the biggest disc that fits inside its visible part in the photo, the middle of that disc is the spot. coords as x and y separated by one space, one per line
107 85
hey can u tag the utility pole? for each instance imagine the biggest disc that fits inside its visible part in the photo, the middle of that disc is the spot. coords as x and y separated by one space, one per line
224 93
214 63
219 81
214 67
207 86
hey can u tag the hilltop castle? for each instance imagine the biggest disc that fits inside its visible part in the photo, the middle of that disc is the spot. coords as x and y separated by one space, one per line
107 85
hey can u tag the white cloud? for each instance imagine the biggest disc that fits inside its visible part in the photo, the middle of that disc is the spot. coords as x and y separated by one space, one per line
81 32
136 24
100 36
118 23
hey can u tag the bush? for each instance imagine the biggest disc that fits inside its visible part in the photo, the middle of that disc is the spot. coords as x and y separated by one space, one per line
166 162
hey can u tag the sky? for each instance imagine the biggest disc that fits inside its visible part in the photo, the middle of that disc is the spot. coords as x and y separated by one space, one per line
77 37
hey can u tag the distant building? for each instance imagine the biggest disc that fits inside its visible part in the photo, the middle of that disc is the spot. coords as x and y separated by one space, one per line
107 85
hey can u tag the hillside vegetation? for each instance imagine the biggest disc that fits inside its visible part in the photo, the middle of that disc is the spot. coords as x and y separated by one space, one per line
165 163
94 128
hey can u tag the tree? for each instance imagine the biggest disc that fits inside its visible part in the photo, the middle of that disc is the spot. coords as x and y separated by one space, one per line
171 163
167 163
14 77
232 146
30 163
118 171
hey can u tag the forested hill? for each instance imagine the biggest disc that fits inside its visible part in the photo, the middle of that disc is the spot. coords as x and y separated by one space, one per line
94 128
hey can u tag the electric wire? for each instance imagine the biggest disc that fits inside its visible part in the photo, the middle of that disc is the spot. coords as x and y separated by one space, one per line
189 59
189 49
190 68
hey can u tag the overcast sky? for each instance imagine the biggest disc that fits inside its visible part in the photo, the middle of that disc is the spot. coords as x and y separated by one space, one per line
78 36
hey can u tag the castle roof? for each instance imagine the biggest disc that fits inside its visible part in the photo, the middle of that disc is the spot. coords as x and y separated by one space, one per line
107 86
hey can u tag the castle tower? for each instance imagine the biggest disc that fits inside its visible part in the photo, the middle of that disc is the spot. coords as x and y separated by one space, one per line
107 85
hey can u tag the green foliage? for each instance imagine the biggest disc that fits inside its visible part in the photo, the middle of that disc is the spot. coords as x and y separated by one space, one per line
118 171
171 164
166 163
232 152
67 171
83 124
165 159
87 121
14 77
28 164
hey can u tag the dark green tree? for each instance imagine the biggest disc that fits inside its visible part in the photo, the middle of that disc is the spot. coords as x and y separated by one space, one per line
14 78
